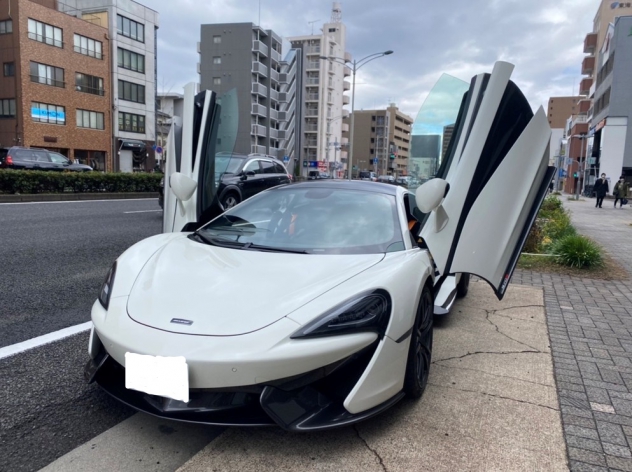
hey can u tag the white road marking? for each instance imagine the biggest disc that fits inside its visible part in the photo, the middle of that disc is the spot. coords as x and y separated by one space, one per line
82 201
18 348
141 211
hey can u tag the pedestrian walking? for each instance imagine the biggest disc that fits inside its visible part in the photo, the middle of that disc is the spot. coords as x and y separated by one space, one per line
601 189
620 192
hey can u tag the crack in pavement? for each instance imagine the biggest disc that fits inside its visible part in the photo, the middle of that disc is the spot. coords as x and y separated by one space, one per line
487 352
495 396
375 453
493 312
448 366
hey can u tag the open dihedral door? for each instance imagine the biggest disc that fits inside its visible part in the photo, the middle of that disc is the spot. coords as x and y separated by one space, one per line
498 177
207 127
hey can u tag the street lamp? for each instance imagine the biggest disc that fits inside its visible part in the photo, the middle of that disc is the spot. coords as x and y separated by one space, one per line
356 65
582 137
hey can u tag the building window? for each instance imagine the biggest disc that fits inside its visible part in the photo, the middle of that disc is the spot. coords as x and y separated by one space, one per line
88 47
47 75
130 28
9 69
217 39
45 33
46 113
131 60
6 26
217 80
90 119
89 84
132 123
131 92
217 60
7 108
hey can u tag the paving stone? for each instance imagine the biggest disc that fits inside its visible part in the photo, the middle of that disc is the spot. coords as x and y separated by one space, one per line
619 463
583 432
576 466
598 395
578 421
622 407
589 457
611 433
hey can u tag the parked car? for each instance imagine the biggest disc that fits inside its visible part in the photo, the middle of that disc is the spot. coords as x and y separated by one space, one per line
39 159
240 176
387 179
317 175
189 324
366 175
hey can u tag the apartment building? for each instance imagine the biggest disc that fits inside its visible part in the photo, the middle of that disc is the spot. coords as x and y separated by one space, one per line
322 145
132 29
291 123
558 112
55 85
382 140
246 59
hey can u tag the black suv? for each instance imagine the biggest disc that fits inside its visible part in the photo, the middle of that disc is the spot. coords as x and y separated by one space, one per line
38 159
239 177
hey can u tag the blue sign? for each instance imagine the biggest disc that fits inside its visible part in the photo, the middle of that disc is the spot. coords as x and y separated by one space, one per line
286 159
562 173
375 161
158 150
45 114
313 163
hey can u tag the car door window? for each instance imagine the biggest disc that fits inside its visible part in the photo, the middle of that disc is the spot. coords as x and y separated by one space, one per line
268 167
57 158
252 166
279 169
41 156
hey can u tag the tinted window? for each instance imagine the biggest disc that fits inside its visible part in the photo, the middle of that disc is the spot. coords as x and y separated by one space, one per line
268 167
57 158
252 166
279 169
316 220
41 156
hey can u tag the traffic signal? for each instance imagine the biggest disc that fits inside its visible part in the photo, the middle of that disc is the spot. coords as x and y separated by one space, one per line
392 156
575 175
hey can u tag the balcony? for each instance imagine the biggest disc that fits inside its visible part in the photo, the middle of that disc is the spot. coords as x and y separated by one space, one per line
274 133
312 81
584 106
258 130
346 100
311 97
344 141
347 71
274 75
259 110
311 127
588 65
275 55
258 46
314 50
348 57
312 65
274 95
346 85
260 89
259 68
311 112
584 85
199 47
590 43
274 115
345 128
311 143
255 149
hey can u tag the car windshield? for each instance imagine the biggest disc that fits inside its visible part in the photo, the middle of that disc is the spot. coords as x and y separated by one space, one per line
323 220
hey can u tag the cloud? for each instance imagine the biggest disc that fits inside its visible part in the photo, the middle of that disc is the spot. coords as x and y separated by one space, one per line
459 37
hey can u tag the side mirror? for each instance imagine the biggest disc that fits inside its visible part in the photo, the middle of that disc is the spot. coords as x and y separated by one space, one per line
182 186
429 197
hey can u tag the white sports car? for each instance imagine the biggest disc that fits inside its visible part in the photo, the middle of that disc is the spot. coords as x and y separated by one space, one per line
311 305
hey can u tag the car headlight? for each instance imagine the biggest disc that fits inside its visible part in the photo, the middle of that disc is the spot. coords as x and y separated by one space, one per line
106 288
366 312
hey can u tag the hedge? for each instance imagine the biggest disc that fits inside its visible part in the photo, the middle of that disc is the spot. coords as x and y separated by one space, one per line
25 182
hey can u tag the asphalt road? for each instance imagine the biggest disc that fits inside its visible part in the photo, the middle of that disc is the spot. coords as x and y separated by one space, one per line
54 257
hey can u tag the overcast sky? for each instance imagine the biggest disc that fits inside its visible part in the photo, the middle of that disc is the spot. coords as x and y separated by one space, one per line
543 38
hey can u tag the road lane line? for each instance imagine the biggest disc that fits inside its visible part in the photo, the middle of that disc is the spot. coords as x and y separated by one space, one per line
18 348
82 201
141 211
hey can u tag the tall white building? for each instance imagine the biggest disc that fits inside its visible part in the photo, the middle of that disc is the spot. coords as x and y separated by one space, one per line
322 96
133 29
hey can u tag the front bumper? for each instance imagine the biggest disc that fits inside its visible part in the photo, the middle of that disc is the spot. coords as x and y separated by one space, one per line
307 402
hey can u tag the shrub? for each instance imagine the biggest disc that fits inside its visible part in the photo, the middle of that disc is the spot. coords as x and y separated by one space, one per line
24 182
578 251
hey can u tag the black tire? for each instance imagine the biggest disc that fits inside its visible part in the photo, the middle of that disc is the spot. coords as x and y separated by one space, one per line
230 200
463 286
420 350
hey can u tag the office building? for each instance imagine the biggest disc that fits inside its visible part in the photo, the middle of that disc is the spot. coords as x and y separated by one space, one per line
132 29
55 85
244 59
322 96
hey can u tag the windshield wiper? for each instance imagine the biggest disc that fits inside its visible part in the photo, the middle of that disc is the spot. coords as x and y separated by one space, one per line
274 249
222 242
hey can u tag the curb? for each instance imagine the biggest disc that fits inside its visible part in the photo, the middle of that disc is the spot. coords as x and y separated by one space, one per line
63 197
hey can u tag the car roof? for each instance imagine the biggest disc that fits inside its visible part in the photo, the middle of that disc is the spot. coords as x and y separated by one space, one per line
374 187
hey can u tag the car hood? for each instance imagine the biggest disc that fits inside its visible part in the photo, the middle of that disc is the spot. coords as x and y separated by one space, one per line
226 292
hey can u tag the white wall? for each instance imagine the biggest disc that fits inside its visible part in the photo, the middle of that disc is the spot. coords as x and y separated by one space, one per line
556 137
612 148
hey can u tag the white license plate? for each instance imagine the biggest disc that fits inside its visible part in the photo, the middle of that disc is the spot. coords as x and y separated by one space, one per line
156 375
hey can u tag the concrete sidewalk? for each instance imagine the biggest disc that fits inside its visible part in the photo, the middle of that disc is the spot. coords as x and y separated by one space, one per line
491 404
590 326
